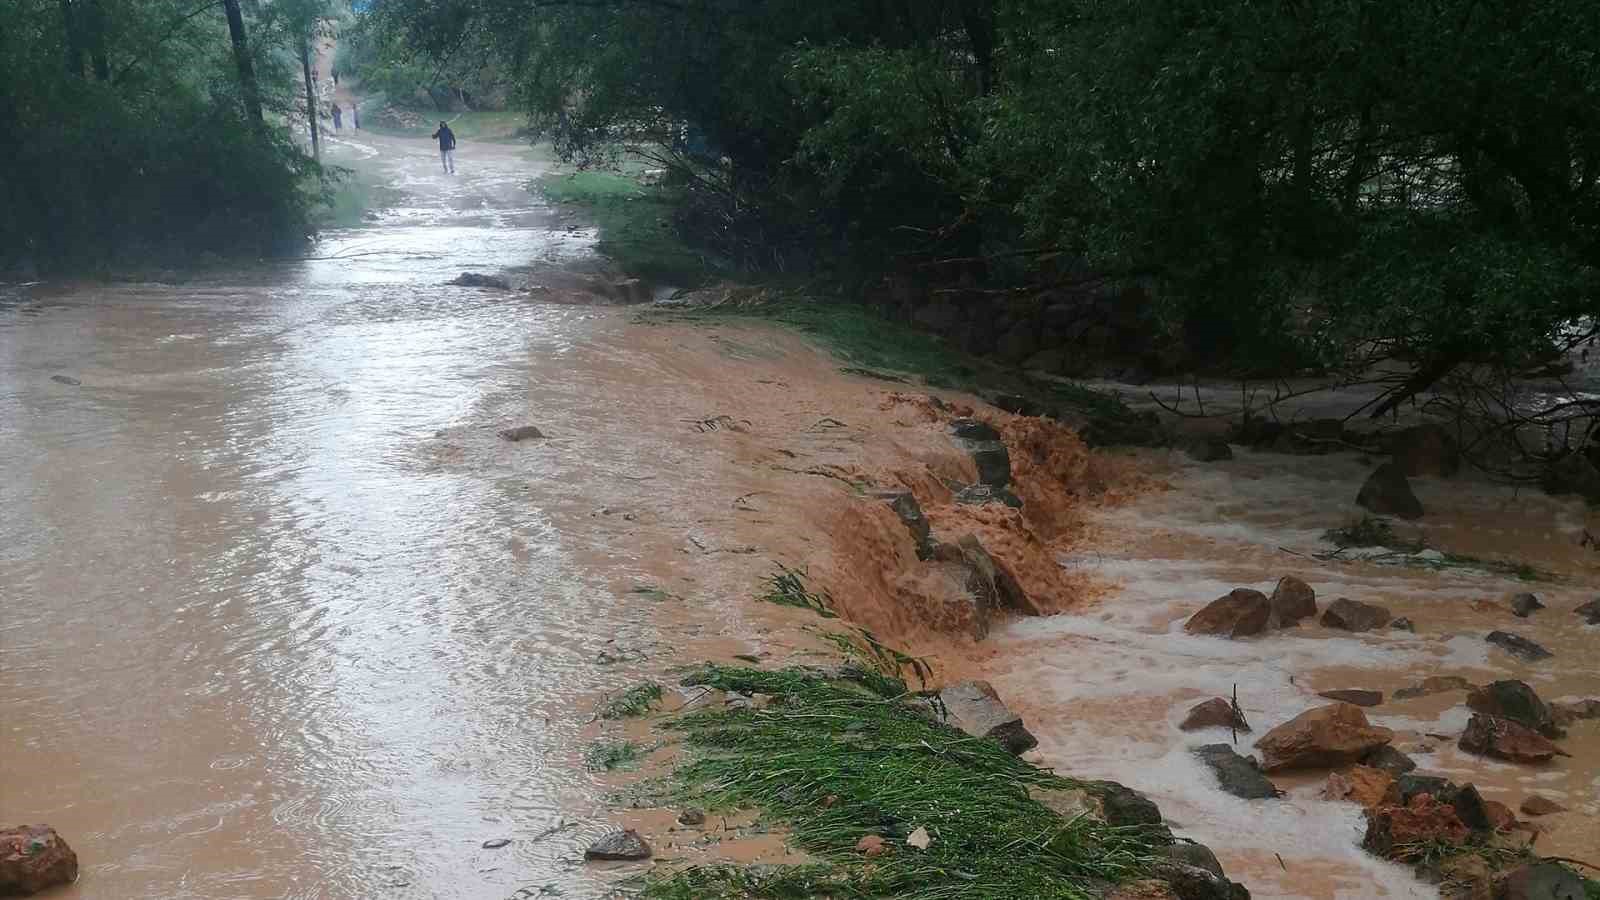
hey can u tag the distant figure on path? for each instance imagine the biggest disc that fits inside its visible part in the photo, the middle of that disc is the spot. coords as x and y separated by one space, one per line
338 118
355 116
447 147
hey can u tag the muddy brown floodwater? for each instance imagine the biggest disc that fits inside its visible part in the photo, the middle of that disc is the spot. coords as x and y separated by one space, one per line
281 616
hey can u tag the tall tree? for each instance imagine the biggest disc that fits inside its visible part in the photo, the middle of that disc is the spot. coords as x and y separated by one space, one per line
311 97
242 60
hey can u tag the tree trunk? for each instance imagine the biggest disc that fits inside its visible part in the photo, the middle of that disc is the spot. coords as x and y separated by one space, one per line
72 40
94 32
311 100
241 58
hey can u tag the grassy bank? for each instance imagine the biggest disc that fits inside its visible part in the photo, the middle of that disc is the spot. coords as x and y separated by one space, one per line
872 345
352 194
834 760
635 223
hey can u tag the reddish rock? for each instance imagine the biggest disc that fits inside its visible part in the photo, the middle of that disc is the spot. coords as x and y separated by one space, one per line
1505 739
1424 820
1515 700
1353 615
1291 601
1325 737
1501 818
1240 613
34 858
1536 805
870 845
1371 788
1214 713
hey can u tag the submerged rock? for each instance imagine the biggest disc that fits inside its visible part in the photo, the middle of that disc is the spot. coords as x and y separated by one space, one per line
1354 697
1214 713
974 707
1236 775
522 433
1515 700
474 279
1523 605
1565 714
1433 684
1291 601
1353 615
1325 737
1240 613
906 508
624 845
1505 739
1519 646
1205 449
1388 493
1536 805
1541 881
1590 611
34 858
982 442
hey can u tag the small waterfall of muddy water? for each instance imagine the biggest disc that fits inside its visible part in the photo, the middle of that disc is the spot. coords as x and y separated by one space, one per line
282 617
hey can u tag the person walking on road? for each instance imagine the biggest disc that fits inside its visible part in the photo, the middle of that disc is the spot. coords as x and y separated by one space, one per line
447 148
338 118
355 116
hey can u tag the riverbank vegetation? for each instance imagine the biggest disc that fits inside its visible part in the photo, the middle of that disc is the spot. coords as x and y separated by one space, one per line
155 130
889 801
1397 193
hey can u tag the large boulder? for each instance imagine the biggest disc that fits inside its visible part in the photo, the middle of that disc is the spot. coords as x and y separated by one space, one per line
1515 700
1240 613
1388 493
1323 738
34 858
1505 739
474 279
1214 713
1541 881
974 707
1425 450
1423 820
1236 775
1353 615
1518 646
1291 601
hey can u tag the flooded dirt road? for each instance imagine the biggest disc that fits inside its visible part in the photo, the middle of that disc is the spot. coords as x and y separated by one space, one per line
283 617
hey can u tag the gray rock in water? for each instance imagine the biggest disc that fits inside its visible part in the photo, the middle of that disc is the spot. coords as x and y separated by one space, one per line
1191 853
1352 615
1388 493
1468 804
1236 775
974 707
1523 605
496 843
67 380
1590 611
981 494
909 512
1541 881
624 845
1519 646
1122 805
1194 883
1389 760
522 433
473 279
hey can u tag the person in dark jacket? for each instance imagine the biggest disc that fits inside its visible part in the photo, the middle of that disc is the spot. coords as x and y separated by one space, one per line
338 118
447 147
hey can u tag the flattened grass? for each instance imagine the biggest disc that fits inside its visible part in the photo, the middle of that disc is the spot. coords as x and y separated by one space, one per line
836 759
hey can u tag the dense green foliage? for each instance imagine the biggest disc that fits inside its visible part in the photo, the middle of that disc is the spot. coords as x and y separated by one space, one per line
835 760
1299 184
129 138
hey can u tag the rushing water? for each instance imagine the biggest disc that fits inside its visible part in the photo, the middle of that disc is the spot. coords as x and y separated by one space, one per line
258 636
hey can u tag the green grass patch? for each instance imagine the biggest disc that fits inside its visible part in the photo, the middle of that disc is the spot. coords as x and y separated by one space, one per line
1374 532
352 194
607 756
876 347
493 126
837 759
635 701
635 223
787 587
1369 531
